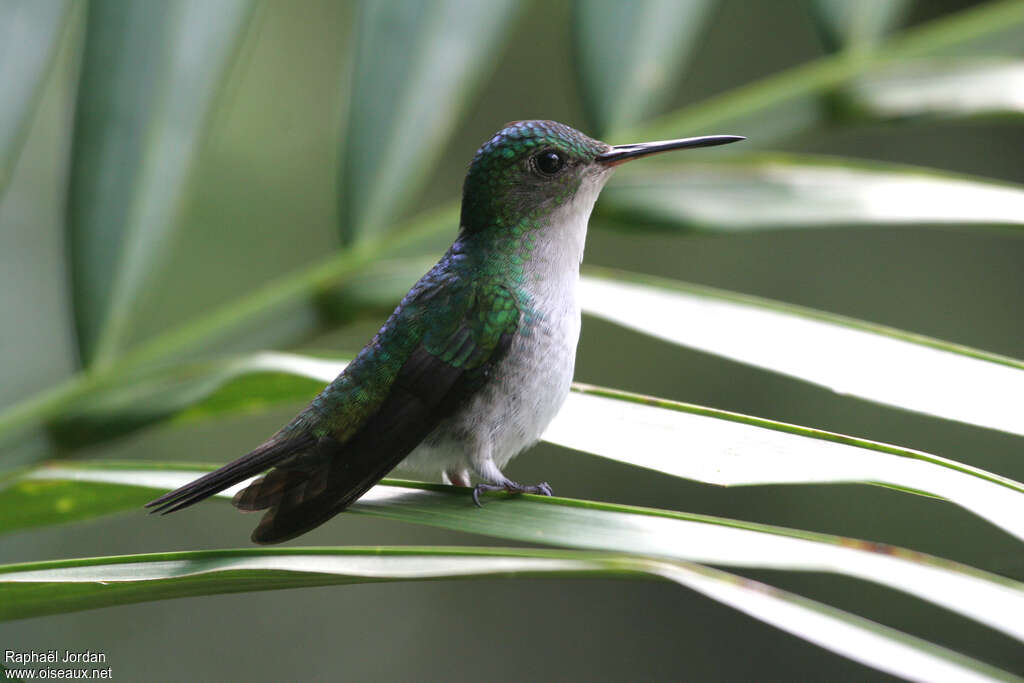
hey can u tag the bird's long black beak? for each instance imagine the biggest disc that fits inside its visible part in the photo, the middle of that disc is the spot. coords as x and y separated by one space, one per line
620 153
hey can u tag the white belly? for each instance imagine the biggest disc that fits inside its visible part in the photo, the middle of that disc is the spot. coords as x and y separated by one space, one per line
520 399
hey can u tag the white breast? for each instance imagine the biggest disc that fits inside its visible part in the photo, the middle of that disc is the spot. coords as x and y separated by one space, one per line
512 411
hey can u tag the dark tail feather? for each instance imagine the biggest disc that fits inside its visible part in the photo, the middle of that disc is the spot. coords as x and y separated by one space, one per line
296 508
337 474
259 460
332 476
269 489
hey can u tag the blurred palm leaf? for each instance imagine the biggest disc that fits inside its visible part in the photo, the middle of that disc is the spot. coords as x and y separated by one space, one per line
773 191
858 26
30 37
630 55
416 67
940 88
791 101
136 139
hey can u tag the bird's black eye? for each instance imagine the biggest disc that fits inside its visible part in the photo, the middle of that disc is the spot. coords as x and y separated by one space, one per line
549 162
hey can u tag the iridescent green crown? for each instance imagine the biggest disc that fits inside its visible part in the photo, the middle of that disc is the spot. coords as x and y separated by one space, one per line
499 169
520 137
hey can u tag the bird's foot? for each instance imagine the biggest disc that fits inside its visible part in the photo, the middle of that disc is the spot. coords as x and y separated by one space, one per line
542 489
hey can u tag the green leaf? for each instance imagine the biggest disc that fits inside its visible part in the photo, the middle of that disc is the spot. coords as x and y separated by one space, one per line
730 449
201 389
151 75
630 54
416 67
52 492
775 191
30 37
722 448
41 588
864 641
790 101
848 356
62 586
951 88
858 26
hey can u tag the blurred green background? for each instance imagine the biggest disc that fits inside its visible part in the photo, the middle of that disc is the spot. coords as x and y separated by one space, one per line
264 201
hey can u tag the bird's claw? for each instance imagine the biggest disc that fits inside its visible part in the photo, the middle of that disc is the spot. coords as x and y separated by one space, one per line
544 489
541 489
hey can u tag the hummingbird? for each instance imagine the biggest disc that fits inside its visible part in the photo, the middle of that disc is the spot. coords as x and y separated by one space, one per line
475 361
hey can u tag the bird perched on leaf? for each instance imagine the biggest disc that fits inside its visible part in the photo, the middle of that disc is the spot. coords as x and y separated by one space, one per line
476 360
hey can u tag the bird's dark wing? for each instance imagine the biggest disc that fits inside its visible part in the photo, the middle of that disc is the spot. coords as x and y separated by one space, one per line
434 351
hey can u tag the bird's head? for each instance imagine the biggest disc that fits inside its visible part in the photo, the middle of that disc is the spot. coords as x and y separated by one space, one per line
531 170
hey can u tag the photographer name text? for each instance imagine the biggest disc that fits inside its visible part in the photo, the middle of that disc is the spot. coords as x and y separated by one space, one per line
53 657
